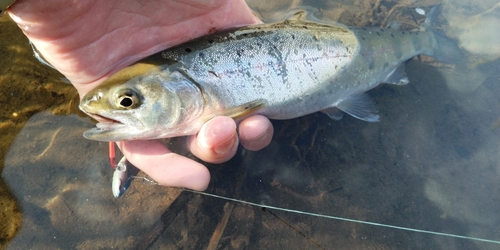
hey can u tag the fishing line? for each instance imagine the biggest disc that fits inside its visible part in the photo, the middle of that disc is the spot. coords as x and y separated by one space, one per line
345 219
294 229
337 218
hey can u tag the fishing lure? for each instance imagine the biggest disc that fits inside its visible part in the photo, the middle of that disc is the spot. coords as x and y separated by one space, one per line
121 177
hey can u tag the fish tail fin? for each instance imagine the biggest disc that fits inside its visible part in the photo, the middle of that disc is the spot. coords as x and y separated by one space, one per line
445 50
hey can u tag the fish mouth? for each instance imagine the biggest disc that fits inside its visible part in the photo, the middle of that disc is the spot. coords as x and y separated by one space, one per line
105 123
108 129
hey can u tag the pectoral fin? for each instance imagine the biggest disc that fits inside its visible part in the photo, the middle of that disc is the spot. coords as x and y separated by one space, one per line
361 107
244 110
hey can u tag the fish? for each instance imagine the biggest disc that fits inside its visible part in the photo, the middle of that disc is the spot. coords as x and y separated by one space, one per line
281 70
121 177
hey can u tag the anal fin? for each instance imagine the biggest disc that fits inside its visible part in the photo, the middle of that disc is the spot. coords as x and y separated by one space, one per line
397 76
361 107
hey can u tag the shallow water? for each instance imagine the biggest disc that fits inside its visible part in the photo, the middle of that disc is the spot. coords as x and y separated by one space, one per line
432 163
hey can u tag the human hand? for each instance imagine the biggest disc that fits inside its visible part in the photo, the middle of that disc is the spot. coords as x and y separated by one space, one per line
90 40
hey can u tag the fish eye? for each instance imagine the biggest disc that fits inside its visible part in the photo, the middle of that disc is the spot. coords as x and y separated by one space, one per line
127 99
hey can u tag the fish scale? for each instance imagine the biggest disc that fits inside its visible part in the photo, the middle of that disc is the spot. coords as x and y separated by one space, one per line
282 70
289 67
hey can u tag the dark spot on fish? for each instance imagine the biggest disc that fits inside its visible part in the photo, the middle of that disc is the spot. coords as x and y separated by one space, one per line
336 66
381 29
392 35
402 32
210 41
363 38
417 45
389 26
293 36
398 53
371 65
305 27
201 54
363 29
378 34
187 50
409 32
462 151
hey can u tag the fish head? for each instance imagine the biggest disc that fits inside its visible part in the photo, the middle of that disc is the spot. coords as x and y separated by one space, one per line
137 106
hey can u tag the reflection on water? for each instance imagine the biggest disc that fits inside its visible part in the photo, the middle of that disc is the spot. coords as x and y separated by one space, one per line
432 163
65 189
472 27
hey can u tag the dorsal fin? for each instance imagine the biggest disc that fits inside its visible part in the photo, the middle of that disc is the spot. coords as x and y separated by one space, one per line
299 15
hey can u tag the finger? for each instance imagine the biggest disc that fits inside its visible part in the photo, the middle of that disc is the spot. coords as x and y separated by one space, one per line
256 132
74 40
217 140
165 167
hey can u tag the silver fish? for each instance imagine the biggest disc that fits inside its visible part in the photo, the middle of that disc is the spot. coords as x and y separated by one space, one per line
121 177
282 70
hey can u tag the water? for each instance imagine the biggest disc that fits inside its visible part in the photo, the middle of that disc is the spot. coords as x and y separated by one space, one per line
432 163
